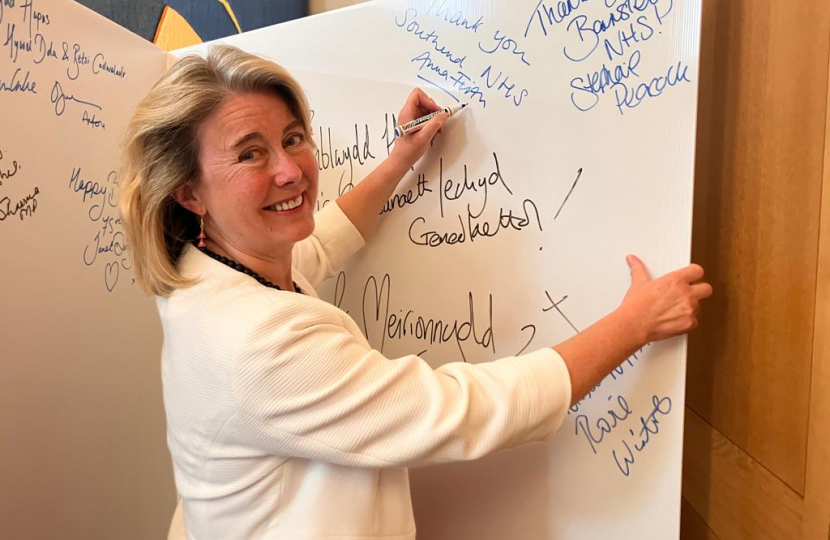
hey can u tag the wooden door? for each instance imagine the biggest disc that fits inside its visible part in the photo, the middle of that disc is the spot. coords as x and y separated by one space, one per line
756 448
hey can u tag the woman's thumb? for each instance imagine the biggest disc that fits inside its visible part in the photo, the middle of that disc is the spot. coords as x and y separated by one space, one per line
639 274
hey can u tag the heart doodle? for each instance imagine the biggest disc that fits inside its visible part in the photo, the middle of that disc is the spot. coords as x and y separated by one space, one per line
111 275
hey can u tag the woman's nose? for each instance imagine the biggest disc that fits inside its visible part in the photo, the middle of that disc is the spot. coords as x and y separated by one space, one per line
286 171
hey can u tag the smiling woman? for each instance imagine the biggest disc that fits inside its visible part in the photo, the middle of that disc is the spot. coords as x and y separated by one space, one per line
282 421
188 138
258 183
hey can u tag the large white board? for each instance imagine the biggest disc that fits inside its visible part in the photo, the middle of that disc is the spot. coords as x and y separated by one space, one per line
577 149
511 234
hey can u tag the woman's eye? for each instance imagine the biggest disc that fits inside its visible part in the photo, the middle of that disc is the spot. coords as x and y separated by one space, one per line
295 139
248 155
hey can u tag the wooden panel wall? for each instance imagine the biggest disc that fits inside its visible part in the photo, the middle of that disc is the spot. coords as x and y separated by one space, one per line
757 440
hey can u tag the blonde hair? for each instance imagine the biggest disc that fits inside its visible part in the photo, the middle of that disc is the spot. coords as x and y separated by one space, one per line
161 152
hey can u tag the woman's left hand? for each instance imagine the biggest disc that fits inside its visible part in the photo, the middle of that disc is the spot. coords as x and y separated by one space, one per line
410 148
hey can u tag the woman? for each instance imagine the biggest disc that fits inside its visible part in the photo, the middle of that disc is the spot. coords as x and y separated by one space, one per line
283 422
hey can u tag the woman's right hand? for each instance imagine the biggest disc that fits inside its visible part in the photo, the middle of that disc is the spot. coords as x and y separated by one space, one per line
666 306
410 148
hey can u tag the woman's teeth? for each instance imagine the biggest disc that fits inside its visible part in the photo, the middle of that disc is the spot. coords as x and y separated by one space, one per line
286 205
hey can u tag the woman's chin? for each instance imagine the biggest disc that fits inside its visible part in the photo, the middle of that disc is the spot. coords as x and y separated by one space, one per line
291 231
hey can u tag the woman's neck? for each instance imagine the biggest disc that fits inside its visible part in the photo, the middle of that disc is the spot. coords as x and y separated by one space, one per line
275 267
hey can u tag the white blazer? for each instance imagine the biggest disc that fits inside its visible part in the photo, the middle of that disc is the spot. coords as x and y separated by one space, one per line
283 422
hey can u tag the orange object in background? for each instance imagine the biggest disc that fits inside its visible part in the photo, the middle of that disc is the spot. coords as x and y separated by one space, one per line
174 32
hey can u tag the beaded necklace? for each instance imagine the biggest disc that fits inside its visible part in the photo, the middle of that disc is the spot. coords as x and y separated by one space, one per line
245 270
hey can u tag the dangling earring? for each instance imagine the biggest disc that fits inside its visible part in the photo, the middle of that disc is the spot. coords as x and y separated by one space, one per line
202 235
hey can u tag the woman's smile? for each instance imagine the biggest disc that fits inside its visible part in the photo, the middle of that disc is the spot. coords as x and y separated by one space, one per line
286 206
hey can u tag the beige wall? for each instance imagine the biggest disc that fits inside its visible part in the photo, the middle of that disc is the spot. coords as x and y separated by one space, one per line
319 6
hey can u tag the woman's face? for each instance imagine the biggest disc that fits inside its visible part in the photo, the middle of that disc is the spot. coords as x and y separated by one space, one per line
258 176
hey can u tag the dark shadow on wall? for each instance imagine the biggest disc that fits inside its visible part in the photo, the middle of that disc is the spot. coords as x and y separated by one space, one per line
211 19
139 16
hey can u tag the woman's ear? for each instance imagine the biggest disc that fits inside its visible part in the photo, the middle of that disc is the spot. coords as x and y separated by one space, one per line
188 198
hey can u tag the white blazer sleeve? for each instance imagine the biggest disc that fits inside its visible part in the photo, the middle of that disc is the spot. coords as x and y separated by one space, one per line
333 241
306 387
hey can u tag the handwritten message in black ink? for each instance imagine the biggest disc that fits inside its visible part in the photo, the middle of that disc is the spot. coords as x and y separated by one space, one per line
21 208
106 248
43 64
379 317
8 168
